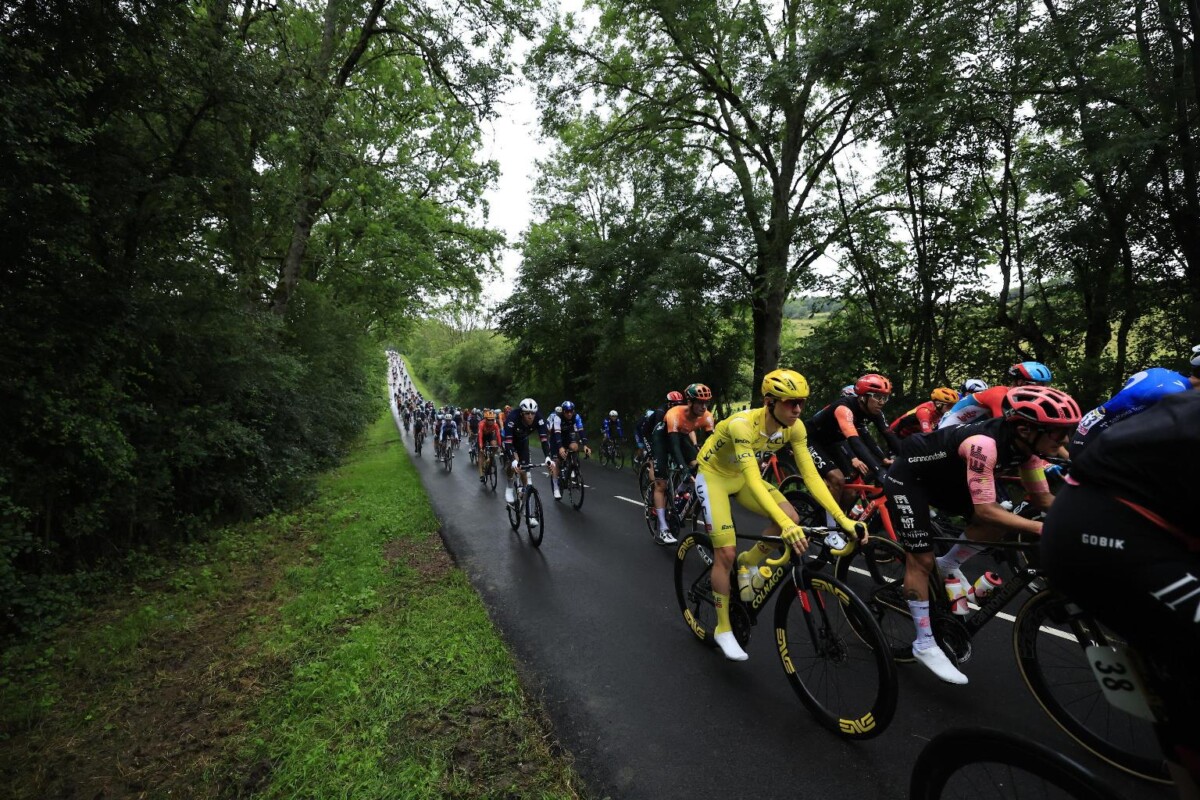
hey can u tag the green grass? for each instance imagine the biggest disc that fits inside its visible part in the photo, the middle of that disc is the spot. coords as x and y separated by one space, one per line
331 652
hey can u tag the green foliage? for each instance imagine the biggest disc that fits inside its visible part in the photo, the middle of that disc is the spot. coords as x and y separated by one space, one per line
209 212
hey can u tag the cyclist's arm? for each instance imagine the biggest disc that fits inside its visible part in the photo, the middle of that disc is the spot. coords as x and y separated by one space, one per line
1037 487
924 419
579 429
812 479
979 453
544 435
681 448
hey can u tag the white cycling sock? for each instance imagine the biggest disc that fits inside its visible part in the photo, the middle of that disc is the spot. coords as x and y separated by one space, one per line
959 554
662 518
920 614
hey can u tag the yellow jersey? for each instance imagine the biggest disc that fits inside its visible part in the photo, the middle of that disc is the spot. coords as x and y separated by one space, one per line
731 451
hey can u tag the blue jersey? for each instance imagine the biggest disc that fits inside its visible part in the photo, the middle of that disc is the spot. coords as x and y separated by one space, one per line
1139 393
612 427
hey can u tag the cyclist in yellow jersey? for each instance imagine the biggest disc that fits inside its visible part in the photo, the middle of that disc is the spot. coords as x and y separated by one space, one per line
728 466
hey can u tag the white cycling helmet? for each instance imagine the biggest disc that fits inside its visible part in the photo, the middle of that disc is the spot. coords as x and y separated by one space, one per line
972 385
447 417
558 409
848 390
1196 356
529 404
613 413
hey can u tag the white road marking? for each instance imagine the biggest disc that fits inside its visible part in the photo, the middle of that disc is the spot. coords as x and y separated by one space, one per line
1001 614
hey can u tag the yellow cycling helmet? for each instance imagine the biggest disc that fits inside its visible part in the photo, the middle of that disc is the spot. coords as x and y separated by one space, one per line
785 384
943 395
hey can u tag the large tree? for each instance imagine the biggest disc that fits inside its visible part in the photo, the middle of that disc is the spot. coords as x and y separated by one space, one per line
766 95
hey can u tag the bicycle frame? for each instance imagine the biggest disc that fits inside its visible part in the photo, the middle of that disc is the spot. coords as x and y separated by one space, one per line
874 502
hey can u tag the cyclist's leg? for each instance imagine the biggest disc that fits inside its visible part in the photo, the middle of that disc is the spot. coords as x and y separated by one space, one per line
714 491
832 474
753 557
909 506
661 467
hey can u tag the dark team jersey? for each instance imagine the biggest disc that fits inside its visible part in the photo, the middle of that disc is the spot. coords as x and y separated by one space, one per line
1150 459
826 426
958 470
516 431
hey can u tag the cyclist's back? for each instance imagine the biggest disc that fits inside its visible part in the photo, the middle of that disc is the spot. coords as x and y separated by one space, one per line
1139 393
1122 541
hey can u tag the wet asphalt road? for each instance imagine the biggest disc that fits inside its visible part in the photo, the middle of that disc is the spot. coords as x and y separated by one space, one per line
650 712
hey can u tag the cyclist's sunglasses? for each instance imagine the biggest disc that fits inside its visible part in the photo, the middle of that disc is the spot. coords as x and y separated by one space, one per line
879 398
796 403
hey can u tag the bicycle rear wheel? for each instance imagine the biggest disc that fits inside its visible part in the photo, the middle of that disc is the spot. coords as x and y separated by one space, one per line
836 657
1050 637
489 474
812 515
981 763
618 458
693 586
875 572
449 459
533 511
514 511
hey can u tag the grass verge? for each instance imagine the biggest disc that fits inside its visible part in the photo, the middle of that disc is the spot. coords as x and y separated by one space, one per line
332 652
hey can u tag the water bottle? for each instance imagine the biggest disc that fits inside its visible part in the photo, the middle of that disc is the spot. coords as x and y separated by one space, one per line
745 587
759 577
958 596
987 583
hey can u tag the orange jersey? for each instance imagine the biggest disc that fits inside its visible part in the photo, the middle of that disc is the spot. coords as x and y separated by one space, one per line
678 421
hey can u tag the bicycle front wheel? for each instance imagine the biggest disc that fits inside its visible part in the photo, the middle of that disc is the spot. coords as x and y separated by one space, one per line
489 474
835 657
1050 636
535 523
644 481
575 487
449 460
975 762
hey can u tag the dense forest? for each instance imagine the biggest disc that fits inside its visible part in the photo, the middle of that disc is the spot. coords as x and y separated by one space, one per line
213 215
216 215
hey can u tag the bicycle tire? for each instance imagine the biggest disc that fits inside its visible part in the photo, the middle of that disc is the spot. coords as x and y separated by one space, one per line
514 512
619 457
644 481
831 636
449 460
878 579
811 513
693 587
489 474
1057 672
533 510
958 762
575 487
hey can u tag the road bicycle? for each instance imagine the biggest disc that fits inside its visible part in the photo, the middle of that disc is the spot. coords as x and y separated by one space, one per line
490 470
611 453
980 763
828 642
447 455
1050 639
570 480
683 508
418 440
473 451
527 507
